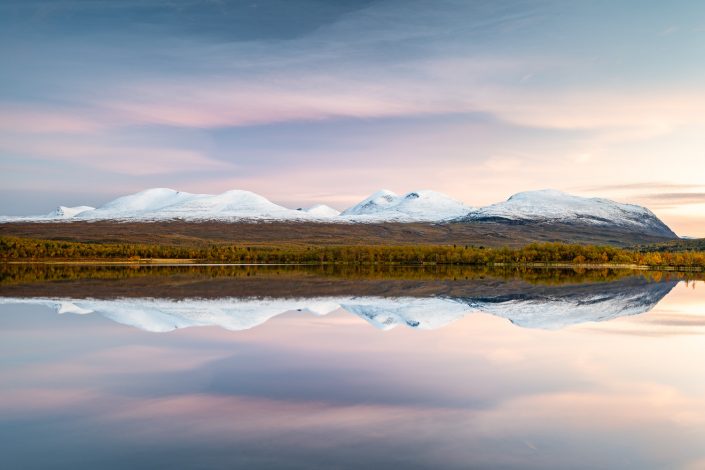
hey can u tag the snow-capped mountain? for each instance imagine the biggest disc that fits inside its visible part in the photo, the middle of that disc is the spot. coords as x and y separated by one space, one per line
422 205
373 204
321 210
63 212
135 205
556 206
546 206
165 204
169 204
556 308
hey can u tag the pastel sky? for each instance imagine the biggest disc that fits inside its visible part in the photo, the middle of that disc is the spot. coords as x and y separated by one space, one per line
308 101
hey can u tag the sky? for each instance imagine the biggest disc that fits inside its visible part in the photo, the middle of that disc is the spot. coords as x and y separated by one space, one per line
322 101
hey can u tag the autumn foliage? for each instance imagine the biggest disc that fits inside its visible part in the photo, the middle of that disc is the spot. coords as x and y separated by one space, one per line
534 254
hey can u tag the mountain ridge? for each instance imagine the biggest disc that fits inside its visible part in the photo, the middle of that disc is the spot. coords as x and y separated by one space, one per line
528 207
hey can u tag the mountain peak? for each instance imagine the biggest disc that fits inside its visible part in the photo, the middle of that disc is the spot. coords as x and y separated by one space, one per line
321 210
421 205
541 194
550 205
68 212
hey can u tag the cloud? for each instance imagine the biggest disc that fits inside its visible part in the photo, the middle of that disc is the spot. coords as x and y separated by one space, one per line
618 115
367 64
364 64
675 198
209 104
113 157
636 186
39 119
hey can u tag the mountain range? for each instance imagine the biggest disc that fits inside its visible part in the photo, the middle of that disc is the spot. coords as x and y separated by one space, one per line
531 207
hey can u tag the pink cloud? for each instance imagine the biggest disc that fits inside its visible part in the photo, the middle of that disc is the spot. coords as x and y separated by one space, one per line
115 158
226 105
42 400
31 120
619 115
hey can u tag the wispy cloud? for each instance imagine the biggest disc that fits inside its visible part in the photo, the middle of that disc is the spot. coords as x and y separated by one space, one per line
655 185
38 119
118 158
675 198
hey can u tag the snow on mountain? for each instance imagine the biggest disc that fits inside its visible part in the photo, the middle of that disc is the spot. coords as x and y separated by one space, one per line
321 210
168 204
421 206
378 201
60 213
63 212
231 204
383 206
552 205
143 202
165 204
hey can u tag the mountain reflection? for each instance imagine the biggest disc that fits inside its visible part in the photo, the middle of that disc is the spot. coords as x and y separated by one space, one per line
322 386
163 300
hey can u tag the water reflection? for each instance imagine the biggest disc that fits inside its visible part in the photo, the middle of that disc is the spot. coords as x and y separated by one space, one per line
237 298
321 389
555 307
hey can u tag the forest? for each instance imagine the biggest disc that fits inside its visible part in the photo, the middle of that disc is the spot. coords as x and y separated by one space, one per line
24 249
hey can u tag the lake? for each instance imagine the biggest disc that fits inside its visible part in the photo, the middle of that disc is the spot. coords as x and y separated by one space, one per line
338 367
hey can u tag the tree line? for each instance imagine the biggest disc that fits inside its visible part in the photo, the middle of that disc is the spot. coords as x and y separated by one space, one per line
536 253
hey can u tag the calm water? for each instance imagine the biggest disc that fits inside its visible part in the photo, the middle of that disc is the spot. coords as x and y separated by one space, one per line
119 368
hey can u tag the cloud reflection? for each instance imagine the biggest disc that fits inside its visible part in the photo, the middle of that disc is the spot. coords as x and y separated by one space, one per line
481 393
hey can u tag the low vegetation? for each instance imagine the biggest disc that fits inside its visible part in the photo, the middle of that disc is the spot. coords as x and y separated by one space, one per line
189 234
23 249
697 244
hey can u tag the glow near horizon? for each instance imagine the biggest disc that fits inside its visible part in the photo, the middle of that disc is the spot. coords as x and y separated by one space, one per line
311 102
